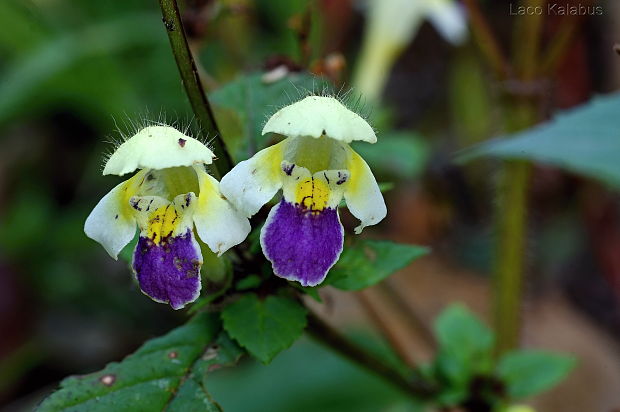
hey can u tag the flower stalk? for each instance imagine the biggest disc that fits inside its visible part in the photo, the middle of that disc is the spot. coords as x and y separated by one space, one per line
190 77
415 386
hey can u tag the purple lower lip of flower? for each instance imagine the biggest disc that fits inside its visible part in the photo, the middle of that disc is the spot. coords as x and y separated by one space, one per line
169 272
302 245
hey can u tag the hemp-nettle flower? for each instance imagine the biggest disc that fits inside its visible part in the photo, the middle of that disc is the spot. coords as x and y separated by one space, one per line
316 168
169 195
391 24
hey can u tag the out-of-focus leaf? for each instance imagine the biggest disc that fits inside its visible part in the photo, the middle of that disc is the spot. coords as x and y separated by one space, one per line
278 15
402 154
529 372
20 29
370 261
583 140
25 222
252 100
21 81
249 282
264 327
465 345
386 186
312 291
166 372
307 378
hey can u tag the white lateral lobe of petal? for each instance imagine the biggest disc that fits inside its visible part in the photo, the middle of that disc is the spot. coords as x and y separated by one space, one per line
108 225
254 182
362 194
218 224
449 19
157 147
143 207
337 181
316 116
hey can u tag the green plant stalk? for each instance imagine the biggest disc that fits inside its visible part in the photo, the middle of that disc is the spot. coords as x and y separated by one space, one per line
416 387
511 228
511 213
487 42
526 41
171 18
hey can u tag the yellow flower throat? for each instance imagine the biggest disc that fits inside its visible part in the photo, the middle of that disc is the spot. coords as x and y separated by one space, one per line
162 223
312 194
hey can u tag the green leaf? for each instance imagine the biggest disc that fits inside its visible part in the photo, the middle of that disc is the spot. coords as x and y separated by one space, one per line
465 345
192 395
166 372
312 291
310 378
252 101
264 327
249 282
529 372
583 140
370 261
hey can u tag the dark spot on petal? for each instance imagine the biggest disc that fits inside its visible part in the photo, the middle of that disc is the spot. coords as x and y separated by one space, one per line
288 169
324 132
116 217
135 204
342 177
182 142
254 171
108 380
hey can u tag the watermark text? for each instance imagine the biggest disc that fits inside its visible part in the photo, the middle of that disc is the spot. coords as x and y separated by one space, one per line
556 9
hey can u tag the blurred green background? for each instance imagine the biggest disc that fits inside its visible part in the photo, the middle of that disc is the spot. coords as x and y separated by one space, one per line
75 73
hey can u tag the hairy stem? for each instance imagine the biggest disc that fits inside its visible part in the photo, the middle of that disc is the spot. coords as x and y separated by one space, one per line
512 192
416 386
486 40
171 18
511 224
